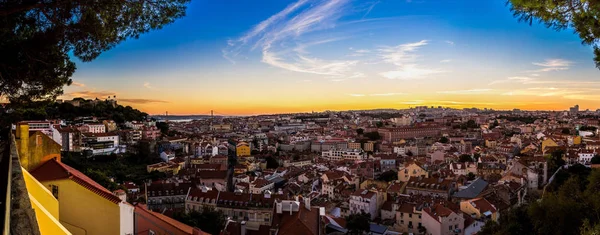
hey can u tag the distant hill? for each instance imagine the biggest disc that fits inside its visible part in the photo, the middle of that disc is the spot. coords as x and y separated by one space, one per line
180 117
78 107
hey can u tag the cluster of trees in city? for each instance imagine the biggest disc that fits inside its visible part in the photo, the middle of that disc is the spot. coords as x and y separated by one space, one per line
382 115
524 119
208 219
43 110
112 170
569 205
466 125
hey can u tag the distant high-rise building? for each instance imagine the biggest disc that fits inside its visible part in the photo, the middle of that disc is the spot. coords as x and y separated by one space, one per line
574 109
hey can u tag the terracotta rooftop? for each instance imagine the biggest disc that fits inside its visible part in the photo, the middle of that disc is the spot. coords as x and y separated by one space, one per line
303 222
438 211
54 170
181 226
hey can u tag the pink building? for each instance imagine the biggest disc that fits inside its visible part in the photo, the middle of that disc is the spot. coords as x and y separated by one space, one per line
441 220
151 133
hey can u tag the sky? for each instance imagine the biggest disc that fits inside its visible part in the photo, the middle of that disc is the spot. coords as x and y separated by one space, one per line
240 57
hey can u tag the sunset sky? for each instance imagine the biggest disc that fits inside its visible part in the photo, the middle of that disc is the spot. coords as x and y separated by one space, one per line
245 57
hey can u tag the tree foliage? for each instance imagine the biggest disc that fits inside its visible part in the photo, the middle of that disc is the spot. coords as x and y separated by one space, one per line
360 131
570 206
51 110
358 223
121 168
580 15
465 158
388 176
163 127
595 159
374 135
272 163
555 160
39 38
209 219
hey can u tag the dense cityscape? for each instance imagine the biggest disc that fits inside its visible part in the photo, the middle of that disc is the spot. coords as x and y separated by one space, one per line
423 170
299 117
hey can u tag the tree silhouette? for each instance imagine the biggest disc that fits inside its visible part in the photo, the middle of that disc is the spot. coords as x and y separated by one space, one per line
40 38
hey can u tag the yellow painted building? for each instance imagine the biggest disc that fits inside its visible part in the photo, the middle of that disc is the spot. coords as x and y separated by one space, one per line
354 145
549 142
242 149
35 147
577 140
491 143
45 206
479 207
84 206
369 146
164 167
411 169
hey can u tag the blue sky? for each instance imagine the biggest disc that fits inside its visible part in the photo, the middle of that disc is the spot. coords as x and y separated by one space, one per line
250 57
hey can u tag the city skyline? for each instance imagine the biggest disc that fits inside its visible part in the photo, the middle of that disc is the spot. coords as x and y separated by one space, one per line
302 56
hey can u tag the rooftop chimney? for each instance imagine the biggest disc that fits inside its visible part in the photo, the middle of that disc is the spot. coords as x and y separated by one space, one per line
306 203
279 207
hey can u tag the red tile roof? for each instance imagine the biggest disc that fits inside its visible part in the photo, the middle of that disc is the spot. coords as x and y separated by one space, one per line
303 222
54 170
181 226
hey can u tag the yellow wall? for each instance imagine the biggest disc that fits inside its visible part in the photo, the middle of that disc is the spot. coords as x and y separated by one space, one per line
466 207
165 169
490 143
45 206
83 212
577 140
48 224
35 149
242 150
413 170
547 143
41 194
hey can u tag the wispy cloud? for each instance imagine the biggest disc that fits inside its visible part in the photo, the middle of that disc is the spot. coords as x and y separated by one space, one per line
552 65
449 42
369 9
470 91
377 94
79 84
405 59
445 61
91 94
282 42
142 101
386 94
518 79
147 85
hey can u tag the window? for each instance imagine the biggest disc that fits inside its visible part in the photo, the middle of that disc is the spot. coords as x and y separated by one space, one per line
456 226
409 215
401 221
54 189
450 227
